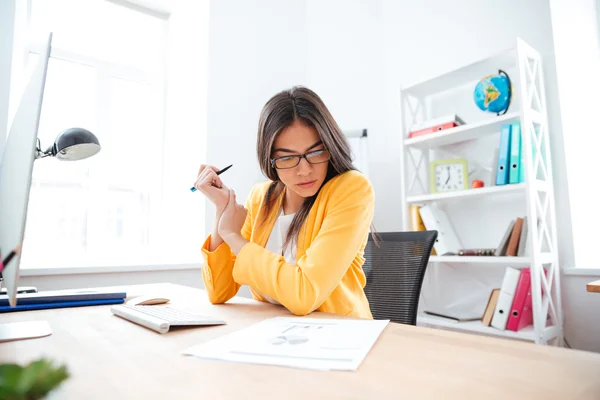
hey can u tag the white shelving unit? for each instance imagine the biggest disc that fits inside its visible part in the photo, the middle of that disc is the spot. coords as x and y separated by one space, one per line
535 195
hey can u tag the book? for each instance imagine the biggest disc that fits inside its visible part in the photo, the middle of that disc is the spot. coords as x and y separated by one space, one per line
455 317
490 308
416 222
501 249
523 239
476 252
515 236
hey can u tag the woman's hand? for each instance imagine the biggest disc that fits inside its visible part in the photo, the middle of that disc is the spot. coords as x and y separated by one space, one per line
212 187
233 218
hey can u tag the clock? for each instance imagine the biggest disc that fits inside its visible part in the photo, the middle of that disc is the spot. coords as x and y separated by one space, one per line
449 175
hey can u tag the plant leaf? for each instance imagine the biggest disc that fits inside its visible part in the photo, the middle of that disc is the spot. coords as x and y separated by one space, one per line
9 377
33 381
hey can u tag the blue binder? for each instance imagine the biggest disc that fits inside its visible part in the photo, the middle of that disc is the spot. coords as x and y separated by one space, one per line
64 304
515 153
57 296
503 155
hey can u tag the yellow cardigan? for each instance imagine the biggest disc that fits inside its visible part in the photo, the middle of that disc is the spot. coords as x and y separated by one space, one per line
328 274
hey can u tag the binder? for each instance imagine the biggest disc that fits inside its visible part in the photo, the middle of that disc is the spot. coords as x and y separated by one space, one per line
503 155
521 314
444 119
522 161
435 219
506 297
432 129
59 296
59 304
515 153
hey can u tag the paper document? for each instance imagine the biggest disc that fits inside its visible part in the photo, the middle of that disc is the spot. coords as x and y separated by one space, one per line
322 344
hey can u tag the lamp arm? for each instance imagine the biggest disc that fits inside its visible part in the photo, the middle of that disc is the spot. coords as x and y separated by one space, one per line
42 154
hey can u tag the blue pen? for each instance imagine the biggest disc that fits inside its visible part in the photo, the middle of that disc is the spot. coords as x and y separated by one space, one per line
193 189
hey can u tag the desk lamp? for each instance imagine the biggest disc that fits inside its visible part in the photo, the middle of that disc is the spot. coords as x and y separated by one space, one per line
71 145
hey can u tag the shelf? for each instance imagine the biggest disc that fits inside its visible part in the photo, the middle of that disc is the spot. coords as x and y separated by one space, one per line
512 261
467 193
464 75
475 327
462 133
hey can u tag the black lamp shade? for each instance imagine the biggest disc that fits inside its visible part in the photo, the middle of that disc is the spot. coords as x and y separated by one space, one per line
75 144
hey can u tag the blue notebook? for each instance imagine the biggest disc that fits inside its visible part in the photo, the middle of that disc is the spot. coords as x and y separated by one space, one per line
63 304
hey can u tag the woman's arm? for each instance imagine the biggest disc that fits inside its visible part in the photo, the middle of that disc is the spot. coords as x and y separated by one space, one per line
218 264
302 288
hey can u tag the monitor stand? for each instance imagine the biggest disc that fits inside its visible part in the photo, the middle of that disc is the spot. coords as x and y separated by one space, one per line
24 330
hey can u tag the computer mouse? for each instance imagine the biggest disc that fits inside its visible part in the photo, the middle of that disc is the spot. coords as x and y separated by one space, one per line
147 300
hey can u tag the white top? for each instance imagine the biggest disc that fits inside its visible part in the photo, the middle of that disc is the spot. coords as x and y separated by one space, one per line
276 239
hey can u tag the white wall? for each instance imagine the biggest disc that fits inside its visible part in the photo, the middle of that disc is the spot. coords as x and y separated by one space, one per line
188 277
346 69
257 48
7 21
186 127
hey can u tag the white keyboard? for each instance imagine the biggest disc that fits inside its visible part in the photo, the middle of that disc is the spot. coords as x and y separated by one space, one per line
161 318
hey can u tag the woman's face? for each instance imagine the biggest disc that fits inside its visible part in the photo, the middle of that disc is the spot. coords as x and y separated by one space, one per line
304 179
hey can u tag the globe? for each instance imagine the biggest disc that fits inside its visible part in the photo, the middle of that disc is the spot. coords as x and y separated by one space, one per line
493 93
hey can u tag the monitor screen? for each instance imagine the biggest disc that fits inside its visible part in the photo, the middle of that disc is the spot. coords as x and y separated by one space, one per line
16 166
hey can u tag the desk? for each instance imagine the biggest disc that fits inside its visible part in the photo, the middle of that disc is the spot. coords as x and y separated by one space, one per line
593 287
111 358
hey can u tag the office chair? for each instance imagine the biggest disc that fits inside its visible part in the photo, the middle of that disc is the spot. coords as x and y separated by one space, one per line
395 269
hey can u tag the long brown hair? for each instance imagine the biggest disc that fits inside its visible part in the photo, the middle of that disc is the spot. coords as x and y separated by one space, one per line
283 109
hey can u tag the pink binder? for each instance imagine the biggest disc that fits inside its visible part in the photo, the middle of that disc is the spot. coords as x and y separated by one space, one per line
521 314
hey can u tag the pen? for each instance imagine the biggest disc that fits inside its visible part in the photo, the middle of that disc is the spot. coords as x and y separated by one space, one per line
193 189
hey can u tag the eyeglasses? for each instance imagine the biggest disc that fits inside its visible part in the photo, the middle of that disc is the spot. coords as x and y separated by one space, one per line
314 157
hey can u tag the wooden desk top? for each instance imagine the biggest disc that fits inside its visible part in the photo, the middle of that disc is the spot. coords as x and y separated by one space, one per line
111 358
593 287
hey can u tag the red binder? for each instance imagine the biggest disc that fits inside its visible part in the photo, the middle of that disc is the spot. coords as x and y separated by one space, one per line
432 129
521 314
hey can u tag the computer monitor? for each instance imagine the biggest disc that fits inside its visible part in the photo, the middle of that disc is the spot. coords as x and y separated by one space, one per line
16 167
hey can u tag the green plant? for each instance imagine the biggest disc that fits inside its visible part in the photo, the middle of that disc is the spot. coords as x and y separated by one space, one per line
30 382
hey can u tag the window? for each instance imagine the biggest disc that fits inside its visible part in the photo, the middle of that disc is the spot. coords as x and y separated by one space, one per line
106 74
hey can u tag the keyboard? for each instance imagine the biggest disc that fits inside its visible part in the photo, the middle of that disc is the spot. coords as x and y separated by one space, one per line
161 318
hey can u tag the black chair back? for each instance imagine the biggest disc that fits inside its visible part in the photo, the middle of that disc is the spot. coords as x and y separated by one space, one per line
395 269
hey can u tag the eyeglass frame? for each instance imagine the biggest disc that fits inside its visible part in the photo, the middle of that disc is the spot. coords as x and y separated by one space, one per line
299 157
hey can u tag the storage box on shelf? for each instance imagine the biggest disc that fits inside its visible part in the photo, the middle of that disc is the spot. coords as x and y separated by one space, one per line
425 101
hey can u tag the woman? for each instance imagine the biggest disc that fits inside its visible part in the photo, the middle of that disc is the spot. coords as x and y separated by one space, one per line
299 240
